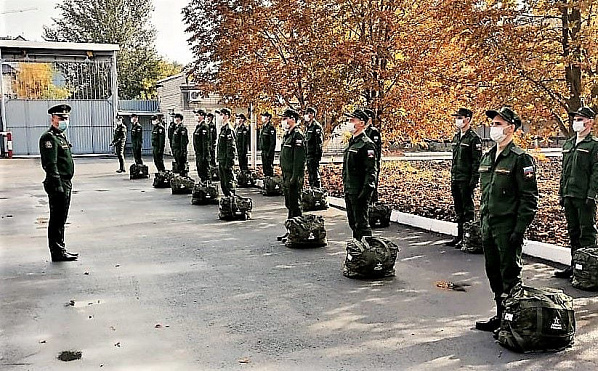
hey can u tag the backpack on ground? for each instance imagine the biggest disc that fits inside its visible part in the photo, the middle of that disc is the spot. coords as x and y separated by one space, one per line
272 186
205 193
585 268
234 208
379 215
181 185
313 199
138 171
370 257
472 237
246 179
162 179
306 231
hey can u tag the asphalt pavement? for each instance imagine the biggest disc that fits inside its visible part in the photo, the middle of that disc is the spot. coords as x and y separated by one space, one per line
164 285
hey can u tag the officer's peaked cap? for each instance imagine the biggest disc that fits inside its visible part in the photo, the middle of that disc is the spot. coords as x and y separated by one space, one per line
225 111
586 112
507 114
60 109
358 114
291 113
463 112
311 110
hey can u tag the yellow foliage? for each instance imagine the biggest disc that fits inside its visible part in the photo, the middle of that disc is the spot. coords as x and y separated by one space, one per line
34 81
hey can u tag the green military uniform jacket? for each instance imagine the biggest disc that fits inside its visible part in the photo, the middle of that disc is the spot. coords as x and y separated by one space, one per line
268 139
158 137
509 187
374 134
579 178
180 140
226 146
171 129
314 137
120 135
56 158
202 141
292 155
242 139
359 166
137 135
467 153
213 133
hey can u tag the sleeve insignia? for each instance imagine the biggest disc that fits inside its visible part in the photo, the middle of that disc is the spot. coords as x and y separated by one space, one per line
376 138
299 142
528 171
48 144
478 146
371 153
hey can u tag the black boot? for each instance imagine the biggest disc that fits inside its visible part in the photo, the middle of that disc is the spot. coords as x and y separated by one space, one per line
493 323
565 273
61 255
456 242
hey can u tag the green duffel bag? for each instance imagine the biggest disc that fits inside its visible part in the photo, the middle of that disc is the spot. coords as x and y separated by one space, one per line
537 320
246 179
205 193
181 185
162 179
379 215
306 231
272 186
372 257
585 268
472 237
235 208
214 173
313 199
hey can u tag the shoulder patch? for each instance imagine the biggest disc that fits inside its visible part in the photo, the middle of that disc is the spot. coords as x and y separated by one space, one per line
371 153
48 144
528 172
517 151
478 146
299 142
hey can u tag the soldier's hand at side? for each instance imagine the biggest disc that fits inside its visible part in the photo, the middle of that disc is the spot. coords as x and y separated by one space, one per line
516 239
561 201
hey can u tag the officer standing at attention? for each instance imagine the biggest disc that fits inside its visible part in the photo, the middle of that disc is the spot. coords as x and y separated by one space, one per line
467 152
226 154
268 140
118 141
136 138
359 174
158 142
292 163
171 128
57 162
180 140
213 138
242 133
579 183
202 144
314 137
508 205
374 134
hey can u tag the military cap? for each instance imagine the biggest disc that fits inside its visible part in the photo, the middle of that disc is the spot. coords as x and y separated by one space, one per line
507 114
268 114
199 112
358 114
370 113
463 112
241 116
178 116
157 116
311 110
586 112
134 115
119 117
60 109
291 113
210 115
224 111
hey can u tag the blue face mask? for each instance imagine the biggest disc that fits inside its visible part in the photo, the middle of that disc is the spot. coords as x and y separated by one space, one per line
63 125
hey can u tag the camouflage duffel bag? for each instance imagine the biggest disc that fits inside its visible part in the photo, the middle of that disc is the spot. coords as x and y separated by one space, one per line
314 199
306 231
138 171
234 208
162 179
272 186
585 269
472 237
214 173
177 169
205 193
372 257
246 179
537 320
379 215
181 185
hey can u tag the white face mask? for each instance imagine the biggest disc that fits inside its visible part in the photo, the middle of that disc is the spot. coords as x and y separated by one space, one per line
154 122
285 124
306 117
63 124
264 119
350 127
578 126
497 134
459 123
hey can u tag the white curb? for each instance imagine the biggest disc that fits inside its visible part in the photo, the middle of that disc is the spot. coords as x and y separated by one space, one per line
553 253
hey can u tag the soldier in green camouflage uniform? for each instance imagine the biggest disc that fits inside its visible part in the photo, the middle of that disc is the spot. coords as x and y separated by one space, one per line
136 138
508 206
242 141
213 137
57 162
467 152
374 134
314 137
202 143
118 141
359 174
579 183
180 140
268 144
292 163
226 154
158 142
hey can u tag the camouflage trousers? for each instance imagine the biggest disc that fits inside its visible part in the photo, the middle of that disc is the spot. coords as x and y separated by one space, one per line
503 261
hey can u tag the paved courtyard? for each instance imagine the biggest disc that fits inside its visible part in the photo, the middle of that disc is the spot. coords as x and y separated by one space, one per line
164 285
